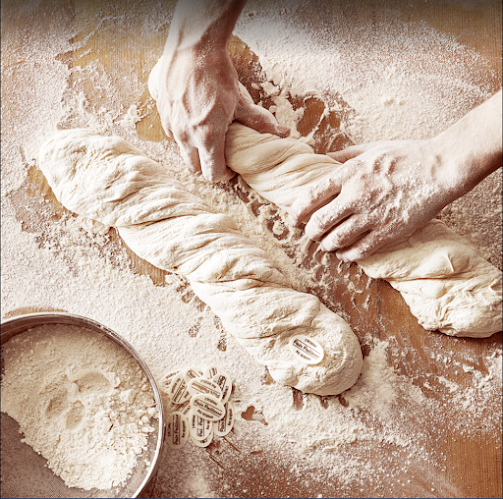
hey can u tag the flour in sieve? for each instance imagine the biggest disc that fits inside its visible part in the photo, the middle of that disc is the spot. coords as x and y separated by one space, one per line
81 401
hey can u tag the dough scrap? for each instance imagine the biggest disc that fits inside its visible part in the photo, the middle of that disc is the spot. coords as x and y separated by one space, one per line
445 282
109 180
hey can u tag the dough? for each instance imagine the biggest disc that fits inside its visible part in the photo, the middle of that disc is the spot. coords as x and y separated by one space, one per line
109 180
445 282
447 285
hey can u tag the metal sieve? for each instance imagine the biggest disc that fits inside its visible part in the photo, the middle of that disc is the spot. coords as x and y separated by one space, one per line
24 472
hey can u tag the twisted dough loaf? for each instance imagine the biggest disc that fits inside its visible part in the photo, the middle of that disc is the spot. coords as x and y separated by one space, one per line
109 180
445 282
447 285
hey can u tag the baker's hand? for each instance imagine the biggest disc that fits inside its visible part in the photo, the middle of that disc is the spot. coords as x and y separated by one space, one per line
198 97
383 191
386 190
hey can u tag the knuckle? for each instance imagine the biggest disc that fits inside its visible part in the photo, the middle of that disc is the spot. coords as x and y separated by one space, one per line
337 239
318 222
210 137
182 136
365 249
352 255
206 136
359 254
317 226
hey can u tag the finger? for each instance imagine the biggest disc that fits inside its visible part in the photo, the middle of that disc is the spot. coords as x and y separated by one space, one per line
154 78
313 199
365 247
213 164
165 113
210 143
245 95
190 156
259 119
327 217
346 233
167 129
349 152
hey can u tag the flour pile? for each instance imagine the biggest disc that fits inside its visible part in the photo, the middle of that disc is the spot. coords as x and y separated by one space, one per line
81 401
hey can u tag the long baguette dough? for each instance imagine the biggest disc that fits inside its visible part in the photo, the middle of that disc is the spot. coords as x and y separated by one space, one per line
447 285
109 180
443 279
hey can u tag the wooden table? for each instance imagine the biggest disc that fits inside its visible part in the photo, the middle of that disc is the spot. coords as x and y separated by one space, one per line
470 467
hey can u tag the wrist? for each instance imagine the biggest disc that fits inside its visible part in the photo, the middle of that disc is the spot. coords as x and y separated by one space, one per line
456 174
471 149
461 165
203 26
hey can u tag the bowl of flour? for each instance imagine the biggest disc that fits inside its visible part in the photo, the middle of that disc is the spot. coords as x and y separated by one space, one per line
81 412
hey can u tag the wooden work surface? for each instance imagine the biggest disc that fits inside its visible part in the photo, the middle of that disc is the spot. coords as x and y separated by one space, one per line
470 467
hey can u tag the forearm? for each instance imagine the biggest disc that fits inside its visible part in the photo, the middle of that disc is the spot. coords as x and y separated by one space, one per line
203 25
471 149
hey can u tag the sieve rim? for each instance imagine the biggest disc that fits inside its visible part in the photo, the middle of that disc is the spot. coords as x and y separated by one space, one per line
13 326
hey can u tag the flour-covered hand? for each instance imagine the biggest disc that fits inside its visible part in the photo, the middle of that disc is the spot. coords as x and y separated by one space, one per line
199 98
383 191
197 90
386 190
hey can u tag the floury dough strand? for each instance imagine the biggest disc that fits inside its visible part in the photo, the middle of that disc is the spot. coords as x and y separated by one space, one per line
445 282
443 279
109 180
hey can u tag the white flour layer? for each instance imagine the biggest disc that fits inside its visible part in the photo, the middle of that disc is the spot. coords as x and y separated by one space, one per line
81 401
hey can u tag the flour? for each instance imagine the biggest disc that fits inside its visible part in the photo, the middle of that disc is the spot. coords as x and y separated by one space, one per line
355 444
337 58
131 117
81 401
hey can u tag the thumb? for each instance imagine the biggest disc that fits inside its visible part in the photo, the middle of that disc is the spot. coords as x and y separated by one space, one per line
348 153
259 119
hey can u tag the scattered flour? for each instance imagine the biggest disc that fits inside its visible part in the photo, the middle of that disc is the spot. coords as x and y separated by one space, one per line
131 117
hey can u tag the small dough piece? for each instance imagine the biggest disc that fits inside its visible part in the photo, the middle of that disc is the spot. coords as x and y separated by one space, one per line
109 180
442 278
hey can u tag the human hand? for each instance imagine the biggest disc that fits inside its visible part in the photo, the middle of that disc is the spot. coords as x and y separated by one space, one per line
383 191
198 96
386 190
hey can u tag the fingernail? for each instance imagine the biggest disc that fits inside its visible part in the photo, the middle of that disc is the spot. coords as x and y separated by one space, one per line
283 131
